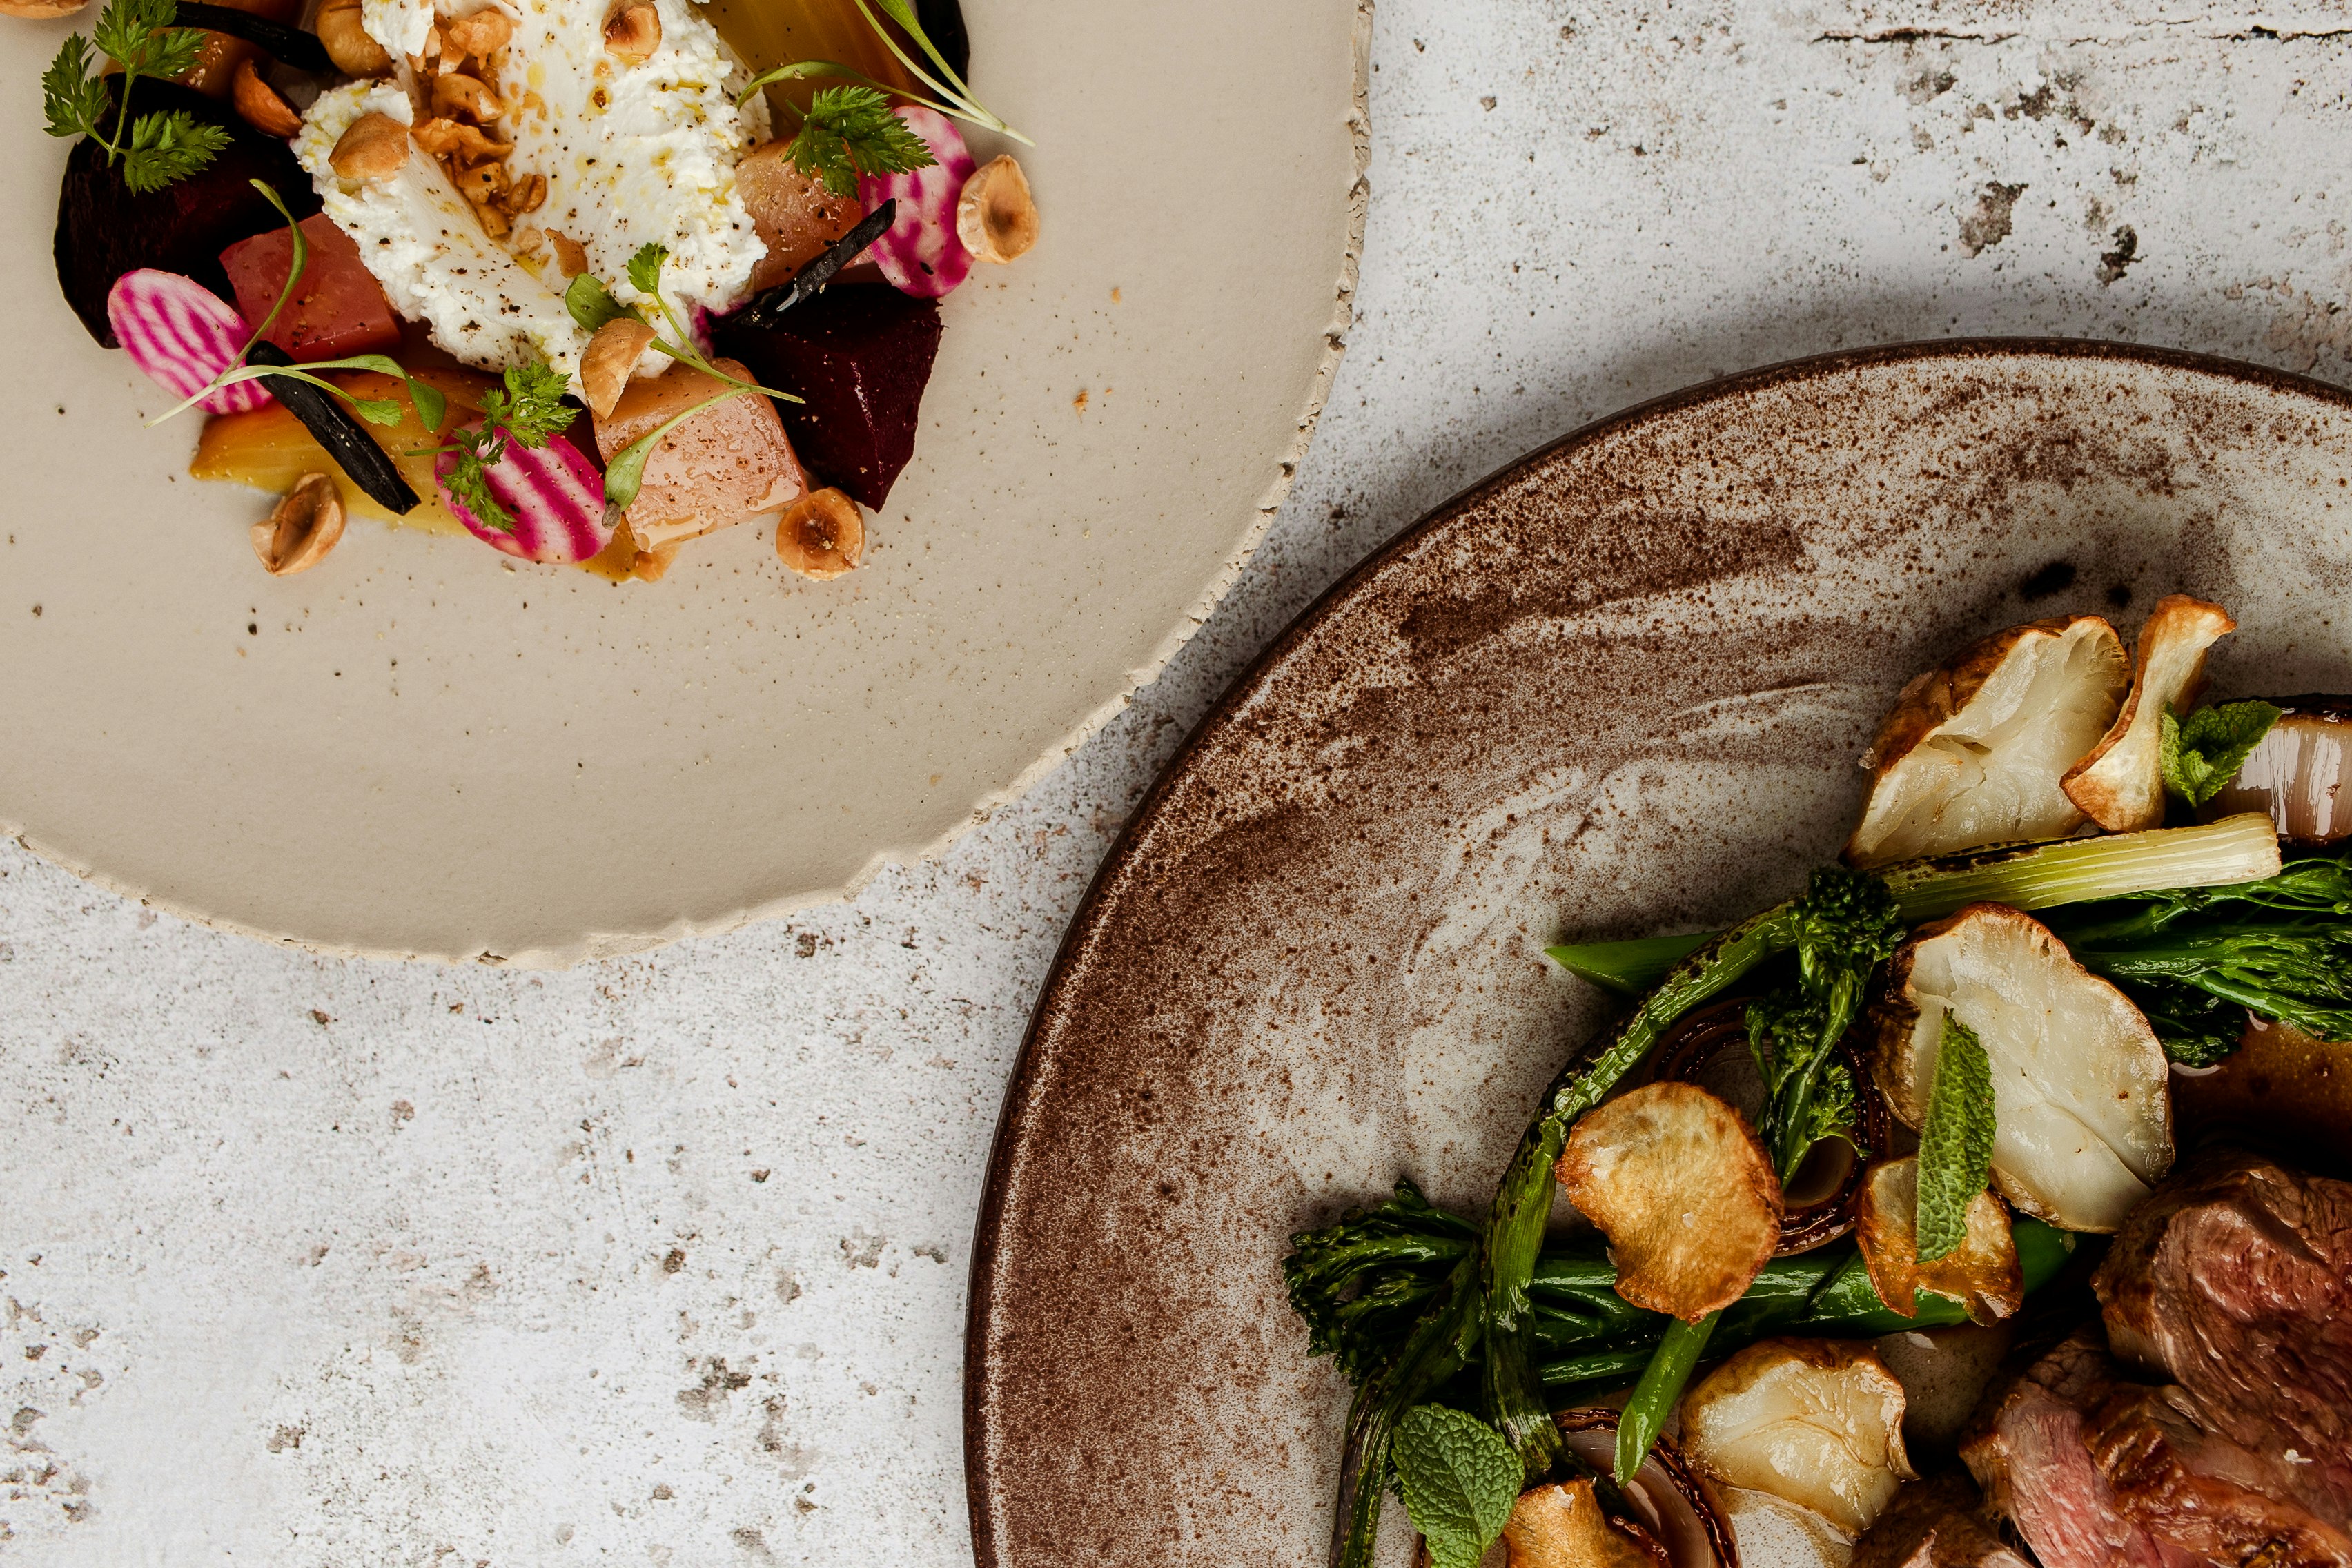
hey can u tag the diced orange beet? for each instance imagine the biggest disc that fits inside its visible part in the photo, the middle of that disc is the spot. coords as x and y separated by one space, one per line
337 308
270 449
727 463
797 219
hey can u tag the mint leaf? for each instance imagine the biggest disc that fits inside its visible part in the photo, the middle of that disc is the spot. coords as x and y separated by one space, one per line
2204 752
1955 1145
1459 1479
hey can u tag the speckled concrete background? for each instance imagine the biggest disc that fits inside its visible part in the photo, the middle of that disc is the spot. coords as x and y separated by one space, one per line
663 1261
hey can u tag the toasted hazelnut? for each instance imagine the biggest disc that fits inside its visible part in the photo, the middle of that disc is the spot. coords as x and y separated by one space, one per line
259 104
611 355
632 31
482 182
822 535
570 258
479 35
995 217
374 147
40 10
495 224
527 241
431 44
348 44
459 94
304 526
443 137
527 194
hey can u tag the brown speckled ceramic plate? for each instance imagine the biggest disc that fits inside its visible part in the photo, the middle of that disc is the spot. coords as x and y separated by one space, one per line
1619 689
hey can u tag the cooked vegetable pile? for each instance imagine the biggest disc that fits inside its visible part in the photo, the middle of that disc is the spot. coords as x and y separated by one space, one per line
2032 933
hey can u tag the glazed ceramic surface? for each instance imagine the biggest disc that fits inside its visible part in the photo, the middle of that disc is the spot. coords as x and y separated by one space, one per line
1618 689
419 749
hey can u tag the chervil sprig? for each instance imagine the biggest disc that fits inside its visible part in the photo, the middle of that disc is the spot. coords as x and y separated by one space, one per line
525 410
154 149
848 131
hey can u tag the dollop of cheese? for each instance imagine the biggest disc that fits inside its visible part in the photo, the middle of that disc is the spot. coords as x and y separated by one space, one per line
632 154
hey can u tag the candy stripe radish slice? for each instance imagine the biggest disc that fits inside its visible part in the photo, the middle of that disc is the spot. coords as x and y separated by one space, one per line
920 252
557 496
182 334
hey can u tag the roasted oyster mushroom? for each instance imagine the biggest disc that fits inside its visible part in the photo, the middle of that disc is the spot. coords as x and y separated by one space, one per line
1676 1179
1975 750
1560 1525
2083 1113
1983 1273
2120 786
1817 1423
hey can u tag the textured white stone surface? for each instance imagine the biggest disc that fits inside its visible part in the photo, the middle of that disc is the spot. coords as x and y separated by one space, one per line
662 1261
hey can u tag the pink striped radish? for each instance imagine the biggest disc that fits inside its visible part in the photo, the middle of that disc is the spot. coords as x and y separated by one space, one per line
920 252
556 494
182 334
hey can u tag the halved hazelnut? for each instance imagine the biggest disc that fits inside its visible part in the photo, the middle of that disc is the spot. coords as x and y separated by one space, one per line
259 104
821 535
40 10
443 137
995 217
459 94
479 35
374 147
304 526
347 43
570 259
632 31
611 355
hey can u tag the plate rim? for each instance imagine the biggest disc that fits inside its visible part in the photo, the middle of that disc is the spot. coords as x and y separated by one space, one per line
988 1224
588 946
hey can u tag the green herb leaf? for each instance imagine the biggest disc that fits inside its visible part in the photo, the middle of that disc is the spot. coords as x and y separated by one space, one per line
591 304
2204 752
1459 1479
626 472
851 130
529 407
468 484
127 33
1955 1143
167 148
74 100
645 267
375 410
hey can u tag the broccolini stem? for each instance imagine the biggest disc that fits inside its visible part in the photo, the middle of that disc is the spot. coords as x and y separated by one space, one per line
1514 1226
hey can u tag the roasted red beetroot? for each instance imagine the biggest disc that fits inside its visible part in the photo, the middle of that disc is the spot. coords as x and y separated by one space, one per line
860 354
337 308
104 231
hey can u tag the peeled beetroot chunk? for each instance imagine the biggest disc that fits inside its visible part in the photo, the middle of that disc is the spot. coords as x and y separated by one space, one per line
104 231
860 355
337 308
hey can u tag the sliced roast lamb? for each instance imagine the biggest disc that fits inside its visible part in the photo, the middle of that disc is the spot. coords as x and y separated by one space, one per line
2172 1476
1935 1523
2026 1449
2234 1281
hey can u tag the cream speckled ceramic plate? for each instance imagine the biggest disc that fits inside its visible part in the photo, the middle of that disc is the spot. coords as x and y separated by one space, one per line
1618 689
415 750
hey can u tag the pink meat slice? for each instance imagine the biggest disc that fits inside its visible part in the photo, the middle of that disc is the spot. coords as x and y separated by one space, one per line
2026 1450
2183 1484
2234 1281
